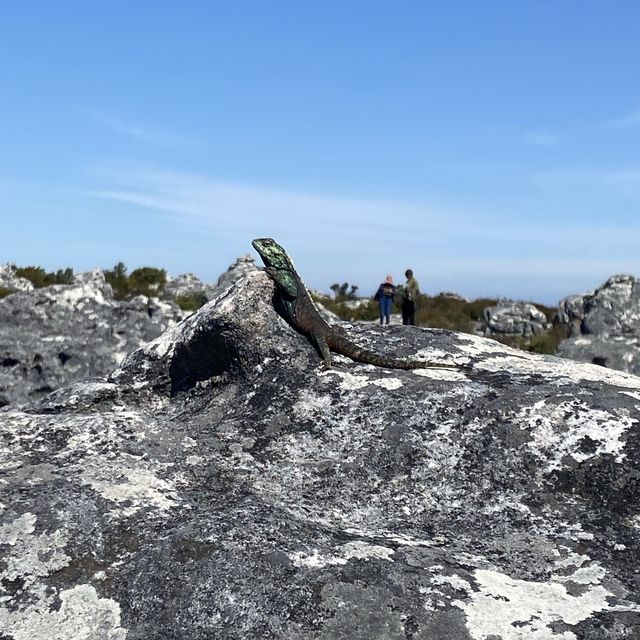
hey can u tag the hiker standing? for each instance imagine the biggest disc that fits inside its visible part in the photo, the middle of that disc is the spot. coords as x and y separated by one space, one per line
384 296
409 297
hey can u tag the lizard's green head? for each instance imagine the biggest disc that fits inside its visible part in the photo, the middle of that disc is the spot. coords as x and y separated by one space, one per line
272 254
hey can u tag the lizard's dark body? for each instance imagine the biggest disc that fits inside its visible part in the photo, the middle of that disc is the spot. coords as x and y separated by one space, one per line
299 311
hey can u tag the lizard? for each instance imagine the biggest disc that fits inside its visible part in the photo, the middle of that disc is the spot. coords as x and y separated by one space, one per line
298 309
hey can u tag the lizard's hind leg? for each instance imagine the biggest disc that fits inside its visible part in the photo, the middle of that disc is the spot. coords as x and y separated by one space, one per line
325 351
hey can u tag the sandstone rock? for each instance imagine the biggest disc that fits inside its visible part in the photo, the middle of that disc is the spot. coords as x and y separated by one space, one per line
220 484
521 319
54 335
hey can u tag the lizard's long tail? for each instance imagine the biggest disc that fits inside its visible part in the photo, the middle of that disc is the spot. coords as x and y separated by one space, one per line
344 346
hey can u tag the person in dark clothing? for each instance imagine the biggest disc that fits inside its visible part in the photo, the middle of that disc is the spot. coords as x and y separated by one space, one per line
384 296
409 297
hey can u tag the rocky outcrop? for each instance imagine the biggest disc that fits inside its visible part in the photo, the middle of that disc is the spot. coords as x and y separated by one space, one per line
605 325
52 336
243 266
9 279
220 484
514 319
188 284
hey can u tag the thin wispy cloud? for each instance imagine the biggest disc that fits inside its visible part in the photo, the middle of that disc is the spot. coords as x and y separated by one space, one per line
241 209
142 134
619 181
539 139
628 120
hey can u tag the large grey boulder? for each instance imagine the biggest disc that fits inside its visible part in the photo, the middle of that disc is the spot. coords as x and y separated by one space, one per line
605 325
221 485
515 319
52 336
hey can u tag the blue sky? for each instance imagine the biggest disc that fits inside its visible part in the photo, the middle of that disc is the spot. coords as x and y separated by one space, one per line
491 146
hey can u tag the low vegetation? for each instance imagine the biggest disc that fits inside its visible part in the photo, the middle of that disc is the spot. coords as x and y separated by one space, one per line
146 281
41 278
192 301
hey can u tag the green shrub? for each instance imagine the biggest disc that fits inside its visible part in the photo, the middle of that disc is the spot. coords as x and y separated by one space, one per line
40 278
342 292
119 281
192 301
5 292
147 281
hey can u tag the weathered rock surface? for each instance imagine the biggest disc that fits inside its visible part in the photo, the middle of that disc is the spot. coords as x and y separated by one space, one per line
220 484
605 325
243 266
186 284
52 336
9 279
515 319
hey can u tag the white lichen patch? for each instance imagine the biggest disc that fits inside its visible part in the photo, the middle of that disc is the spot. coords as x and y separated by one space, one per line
440 374
388 383
455 582
83 615
353 382
139 487
310 405
30 556
515 609
585 570
348 381
13 531
357 550
365 551
557 430
315 559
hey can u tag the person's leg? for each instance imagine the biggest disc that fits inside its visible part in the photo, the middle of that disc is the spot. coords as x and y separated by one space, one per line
412 313
384 309
405 313
389 304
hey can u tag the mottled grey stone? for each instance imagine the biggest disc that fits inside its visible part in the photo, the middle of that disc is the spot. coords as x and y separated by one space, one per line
605 325
52 336
514 319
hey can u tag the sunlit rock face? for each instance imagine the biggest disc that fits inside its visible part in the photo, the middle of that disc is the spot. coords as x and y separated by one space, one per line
52 336
9 279
605 325
220 484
